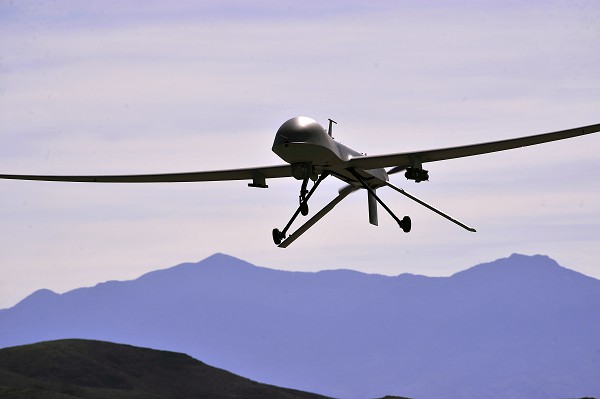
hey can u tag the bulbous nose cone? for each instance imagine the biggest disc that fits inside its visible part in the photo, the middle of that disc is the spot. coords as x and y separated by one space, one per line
299 130
303 140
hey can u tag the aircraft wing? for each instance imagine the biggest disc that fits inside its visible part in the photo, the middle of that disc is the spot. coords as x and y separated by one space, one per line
413 158
257 175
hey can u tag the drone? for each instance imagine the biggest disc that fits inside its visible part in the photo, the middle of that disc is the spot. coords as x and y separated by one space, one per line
312 154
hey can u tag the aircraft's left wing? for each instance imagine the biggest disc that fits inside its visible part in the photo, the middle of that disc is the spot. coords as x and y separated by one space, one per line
256 175
414 158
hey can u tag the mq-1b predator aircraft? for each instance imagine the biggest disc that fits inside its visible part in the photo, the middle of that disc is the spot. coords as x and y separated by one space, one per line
311 153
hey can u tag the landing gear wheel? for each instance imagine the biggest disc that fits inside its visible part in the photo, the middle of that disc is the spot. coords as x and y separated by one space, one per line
277 236
405 224
304 208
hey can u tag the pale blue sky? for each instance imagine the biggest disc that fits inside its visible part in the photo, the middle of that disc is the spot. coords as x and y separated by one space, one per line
144 87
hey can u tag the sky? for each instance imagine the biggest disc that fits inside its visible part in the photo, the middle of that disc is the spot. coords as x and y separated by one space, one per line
120 87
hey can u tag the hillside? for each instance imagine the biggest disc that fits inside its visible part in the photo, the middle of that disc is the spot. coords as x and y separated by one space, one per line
82 369
518 327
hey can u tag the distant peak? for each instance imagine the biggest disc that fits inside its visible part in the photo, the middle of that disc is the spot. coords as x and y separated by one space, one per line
514 264
221 259
42 295
218 255
540 261
518 257
216 263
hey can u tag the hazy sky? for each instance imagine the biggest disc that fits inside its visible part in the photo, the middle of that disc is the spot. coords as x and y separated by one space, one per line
117 87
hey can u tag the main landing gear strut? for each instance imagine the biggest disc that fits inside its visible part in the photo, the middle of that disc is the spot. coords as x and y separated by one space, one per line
405 223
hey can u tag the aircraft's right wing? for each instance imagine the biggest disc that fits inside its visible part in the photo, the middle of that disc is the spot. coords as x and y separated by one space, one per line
257 175
407 159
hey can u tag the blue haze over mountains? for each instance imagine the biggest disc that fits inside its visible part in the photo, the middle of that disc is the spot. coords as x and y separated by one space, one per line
520 327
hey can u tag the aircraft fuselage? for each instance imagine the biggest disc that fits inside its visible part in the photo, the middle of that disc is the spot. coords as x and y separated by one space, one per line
306 145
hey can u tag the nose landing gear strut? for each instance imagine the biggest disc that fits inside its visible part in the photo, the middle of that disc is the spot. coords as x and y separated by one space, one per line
278 235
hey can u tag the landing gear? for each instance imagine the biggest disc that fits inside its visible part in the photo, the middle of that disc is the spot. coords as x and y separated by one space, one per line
304 208
426 205
303 200
281 239
279 236
406 224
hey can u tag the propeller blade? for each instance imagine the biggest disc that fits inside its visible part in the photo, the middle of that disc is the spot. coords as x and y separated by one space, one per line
346 187
396 169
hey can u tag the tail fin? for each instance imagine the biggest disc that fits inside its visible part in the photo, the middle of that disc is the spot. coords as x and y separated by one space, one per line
372 209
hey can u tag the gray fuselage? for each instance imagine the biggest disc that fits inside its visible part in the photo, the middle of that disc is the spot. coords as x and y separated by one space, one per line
306 145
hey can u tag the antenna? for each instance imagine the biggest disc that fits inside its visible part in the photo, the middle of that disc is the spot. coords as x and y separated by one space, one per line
330 130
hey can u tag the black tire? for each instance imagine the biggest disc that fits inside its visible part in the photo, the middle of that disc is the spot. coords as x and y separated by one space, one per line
406 224
304 209
277 236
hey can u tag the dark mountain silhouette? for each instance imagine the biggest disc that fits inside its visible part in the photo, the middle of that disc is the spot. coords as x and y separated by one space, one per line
519 327
83 369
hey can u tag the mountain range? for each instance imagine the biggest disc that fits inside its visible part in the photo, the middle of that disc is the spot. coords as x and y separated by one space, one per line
519 327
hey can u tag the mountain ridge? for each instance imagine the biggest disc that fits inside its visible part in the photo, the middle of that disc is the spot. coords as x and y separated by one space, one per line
345 333
217 260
